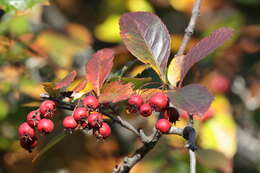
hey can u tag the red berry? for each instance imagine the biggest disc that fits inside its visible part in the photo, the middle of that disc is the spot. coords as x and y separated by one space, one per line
135 100
47 108
33 118
95 120
91 102
146 110
45 126
171 114
159 101
25 130
69 122
29 144
80 114
163 125
104 130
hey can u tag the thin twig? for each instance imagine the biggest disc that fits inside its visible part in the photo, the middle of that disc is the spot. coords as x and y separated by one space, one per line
190 29
192 161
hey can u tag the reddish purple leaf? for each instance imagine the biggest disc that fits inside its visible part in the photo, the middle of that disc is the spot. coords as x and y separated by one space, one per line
115 92
205 47
147 38
66 81
193 98
99 67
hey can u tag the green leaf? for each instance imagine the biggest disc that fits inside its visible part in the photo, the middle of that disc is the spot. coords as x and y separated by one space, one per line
54 141
147 38
193 98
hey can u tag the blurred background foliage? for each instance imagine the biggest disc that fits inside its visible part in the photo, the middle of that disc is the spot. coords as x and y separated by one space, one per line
42 41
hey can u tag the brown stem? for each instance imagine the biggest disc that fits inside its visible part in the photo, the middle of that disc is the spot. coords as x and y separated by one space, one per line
190 29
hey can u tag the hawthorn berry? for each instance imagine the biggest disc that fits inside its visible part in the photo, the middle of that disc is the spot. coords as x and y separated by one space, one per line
159 101
47 108
29 144
104 130
45 126
163 125
25 130
33 118
135 100
69 123
171 114
91 102
145 110
80 114
95 120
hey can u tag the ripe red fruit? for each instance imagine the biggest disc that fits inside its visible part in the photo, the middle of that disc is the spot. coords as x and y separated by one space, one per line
135 100
33 118
69 122
159 101
29 144
104 130
47 108
163 125
45 126
80 114
25 130
171 114
91 102
95 120
145 110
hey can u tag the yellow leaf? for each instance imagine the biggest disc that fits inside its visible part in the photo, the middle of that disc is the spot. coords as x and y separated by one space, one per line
139 5
174 70
108 31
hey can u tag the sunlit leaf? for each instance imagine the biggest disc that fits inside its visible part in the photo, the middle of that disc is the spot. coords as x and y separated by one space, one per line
203 48
4 108
108 31
174 70
53 142
66 81
147 93
115 92
147 38
193 98
99 67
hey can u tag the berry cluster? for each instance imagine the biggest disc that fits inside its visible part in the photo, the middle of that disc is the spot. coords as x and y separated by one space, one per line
84 116
159 102
40 120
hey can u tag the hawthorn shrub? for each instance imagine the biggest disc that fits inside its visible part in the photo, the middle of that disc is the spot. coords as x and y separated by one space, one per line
95 99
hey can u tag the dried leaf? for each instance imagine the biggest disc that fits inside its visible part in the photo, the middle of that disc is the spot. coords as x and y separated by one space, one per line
99 67
115 92
66 80
147 38
193 98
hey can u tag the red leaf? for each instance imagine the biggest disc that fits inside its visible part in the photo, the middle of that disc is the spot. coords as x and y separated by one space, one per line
99 67
193 98
115 92
204 48
66 81
147 38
